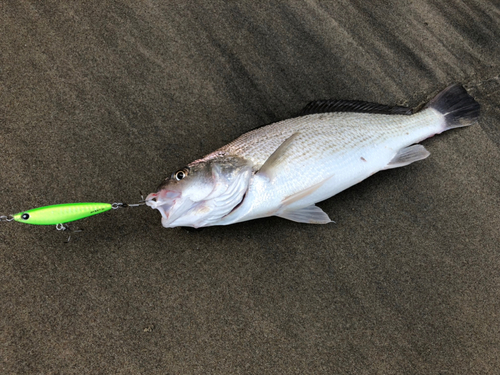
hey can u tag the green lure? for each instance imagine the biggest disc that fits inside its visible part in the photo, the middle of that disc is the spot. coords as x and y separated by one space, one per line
61 213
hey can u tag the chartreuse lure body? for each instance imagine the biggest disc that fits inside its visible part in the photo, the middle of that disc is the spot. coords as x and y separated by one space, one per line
61 213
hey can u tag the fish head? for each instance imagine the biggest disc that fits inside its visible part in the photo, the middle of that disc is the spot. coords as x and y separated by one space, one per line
202 192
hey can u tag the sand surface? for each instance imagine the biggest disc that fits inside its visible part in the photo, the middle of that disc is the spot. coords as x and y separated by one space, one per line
101 100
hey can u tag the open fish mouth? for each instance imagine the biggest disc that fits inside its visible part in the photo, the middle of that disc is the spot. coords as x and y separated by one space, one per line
163 201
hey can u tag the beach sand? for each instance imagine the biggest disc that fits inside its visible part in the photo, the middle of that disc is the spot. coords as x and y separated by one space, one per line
100 101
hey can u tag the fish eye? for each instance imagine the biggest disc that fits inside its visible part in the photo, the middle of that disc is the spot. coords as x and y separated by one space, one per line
179 175
25 216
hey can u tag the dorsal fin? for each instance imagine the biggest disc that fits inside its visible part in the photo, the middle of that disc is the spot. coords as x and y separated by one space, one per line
331 105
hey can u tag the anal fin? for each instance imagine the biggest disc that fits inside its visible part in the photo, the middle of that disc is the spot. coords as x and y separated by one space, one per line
310 215
407 156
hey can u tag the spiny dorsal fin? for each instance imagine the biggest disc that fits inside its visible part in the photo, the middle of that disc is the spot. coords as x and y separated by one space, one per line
331 105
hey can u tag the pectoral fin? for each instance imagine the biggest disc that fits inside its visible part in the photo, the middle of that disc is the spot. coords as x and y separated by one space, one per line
271 167
309 215
407 156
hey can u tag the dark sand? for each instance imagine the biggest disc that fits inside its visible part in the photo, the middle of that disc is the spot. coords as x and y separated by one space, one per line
102 101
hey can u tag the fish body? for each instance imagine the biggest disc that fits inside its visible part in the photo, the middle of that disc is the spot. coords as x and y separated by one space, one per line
283 169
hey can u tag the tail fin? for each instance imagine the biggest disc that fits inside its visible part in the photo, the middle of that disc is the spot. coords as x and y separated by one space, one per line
457 106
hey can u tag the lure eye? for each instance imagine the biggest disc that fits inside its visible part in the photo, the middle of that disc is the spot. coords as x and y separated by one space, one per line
25 216
179 175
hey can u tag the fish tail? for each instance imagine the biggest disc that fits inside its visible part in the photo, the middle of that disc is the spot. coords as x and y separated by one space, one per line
457 106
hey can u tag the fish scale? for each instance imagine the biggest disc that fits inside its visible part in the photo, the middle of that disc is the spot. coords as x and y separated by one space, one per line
333 144
328 133
332 148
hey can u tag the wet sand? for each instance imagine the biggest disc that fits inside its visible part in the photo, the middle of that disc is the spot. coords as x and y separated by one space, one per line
100 102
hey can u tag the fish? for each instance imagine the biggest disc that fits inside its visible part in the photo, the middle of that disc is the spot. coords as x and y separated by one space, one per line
285 168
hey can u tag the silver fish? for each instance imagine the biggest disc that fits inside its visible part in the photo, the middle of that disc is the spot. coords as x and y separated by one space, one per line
283 169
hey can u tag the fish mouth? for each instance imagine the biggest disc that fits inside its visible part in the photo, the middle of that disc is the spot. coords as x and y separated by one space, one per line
163 201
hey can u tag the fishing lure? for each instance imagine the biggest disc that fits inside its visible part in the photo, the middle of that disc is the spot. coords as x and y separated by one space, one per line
59 214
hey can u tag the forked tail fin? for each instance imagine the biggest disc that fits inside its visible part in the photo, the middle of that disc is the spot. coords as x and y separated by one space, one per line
457 106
